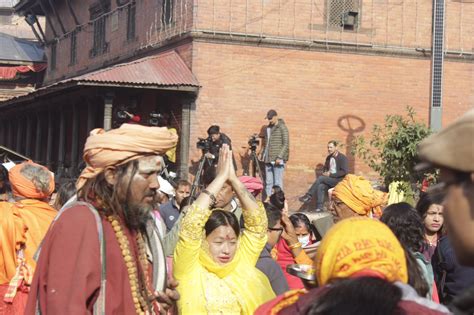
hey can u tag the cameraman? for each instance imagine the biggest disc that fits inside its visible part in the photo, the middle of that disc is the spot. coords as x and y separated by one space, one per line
217 139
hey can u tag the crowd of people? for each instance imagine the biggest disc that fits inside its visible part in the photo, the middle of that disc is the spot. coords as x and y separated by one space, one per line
121 239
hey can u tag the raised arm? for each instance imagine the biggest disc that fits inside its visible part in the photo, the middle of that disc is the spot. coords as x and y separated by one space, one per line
186 254
254 236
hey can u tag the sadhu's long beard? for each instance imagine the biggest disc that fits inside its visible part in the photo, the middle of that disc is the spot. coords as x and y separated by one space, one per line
136 217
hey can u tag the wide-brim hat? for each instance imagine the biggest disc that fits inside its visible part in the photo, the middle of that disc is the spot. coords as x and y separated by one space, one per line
452 147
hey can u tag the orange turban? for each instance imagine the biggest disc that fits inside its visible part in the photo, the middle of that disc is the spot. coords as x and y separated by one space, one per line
360 245
24 187
119 146
357 193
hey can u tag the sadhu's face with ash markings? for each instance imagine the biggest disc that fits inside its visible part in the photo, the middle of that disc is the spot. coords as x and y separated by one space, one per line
137 187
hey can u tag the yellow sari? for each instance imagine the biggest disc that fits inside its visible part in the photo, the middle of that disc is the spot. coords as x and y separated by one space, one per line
206 287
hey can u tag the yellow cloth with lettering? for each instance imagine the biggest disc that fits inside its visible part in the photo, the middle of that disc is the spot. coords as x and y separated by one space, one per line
206 287
359 195
360 244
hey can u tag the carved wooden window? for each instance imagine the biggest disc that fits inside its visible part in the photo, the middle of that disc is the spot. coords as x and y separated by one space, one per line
131 12
99 22
73 51
167 12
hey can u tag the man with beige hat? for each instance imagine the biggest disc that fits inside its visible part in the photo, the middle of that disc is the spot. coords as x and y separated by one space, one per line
452 151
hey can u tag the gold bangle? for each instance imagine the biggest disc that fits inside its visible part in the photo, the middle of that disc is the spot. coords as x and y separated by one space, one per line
295 245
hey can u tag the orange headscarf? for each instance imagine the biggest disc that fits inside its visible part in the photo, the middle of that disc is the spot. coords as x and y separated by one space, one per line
119 146
357 193
357 245
24 187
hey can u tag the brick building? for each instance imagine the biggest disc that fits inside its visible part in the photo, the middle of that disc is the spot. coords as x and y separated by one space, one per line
22 59
330 68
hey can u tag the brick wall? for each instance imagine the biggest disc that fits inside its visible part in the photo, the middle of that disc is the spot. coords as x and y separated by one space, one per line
401 25
381 23
148 28
320 95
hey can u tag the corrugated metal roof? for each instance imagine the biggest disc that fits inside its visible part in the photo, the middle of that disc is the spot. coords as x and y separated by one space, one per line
17 49
167 69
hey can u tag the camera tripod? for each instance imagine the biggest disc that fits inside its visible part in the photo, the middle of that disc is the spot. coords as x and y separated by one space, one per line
255 165
197 179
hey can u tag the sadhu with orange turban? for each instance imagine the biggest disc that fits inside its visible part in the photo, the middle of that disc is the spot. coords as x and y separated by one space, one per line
23 224
118 146
356 258
95 258
355 196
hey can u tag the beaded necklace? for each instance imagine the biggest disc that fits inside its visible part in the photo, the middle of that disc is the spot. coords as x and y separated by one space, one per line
139 290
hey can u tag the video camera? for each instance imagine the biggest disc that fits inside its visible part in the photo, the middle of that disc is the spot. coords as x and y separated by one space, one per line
155 119
253 142
204 144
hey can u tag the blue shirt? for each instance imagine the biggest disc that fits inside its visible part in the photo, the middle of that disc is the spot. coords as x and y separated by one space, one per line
169 211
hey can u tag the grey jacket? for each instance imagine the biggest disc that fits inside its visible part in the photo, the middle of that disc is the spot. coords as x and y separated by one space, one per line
272 270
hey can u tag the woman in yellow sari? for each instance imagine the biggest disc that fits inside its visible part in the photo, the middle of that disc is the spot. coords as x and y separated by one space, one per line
214 262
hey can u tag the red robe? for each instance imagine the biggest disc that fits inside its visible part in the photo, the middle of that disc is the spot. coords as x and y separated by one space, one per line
67 276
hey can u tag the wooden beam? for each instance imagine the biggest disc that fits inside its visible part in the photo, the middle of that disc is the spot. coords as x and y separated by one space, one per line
57 16
29 122
40 29
19 135
3 128
48 20
108 111
74 140
62 142
49 147
71 10
39 133
10 135
90 116
184 138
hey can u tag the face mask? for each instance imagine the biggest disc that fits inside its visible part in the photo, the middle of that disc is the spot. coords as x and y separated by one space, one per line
304 240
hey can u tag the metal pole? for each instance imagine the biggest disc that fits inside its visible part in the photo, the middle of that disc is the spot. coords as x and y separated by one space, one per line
184 139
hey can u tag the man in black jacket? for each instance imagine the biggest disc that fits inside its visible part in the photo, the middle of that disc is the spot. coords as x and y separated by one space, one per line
335 168
217 139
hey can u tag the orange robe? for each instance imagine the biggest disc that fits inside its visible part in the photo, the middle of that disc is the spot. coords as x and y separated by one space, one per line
23 223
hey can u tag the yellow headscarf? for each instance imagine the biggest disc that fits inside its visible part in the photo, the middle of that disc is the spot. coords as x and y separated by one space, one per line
249 285
119 146
357 193
358 245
